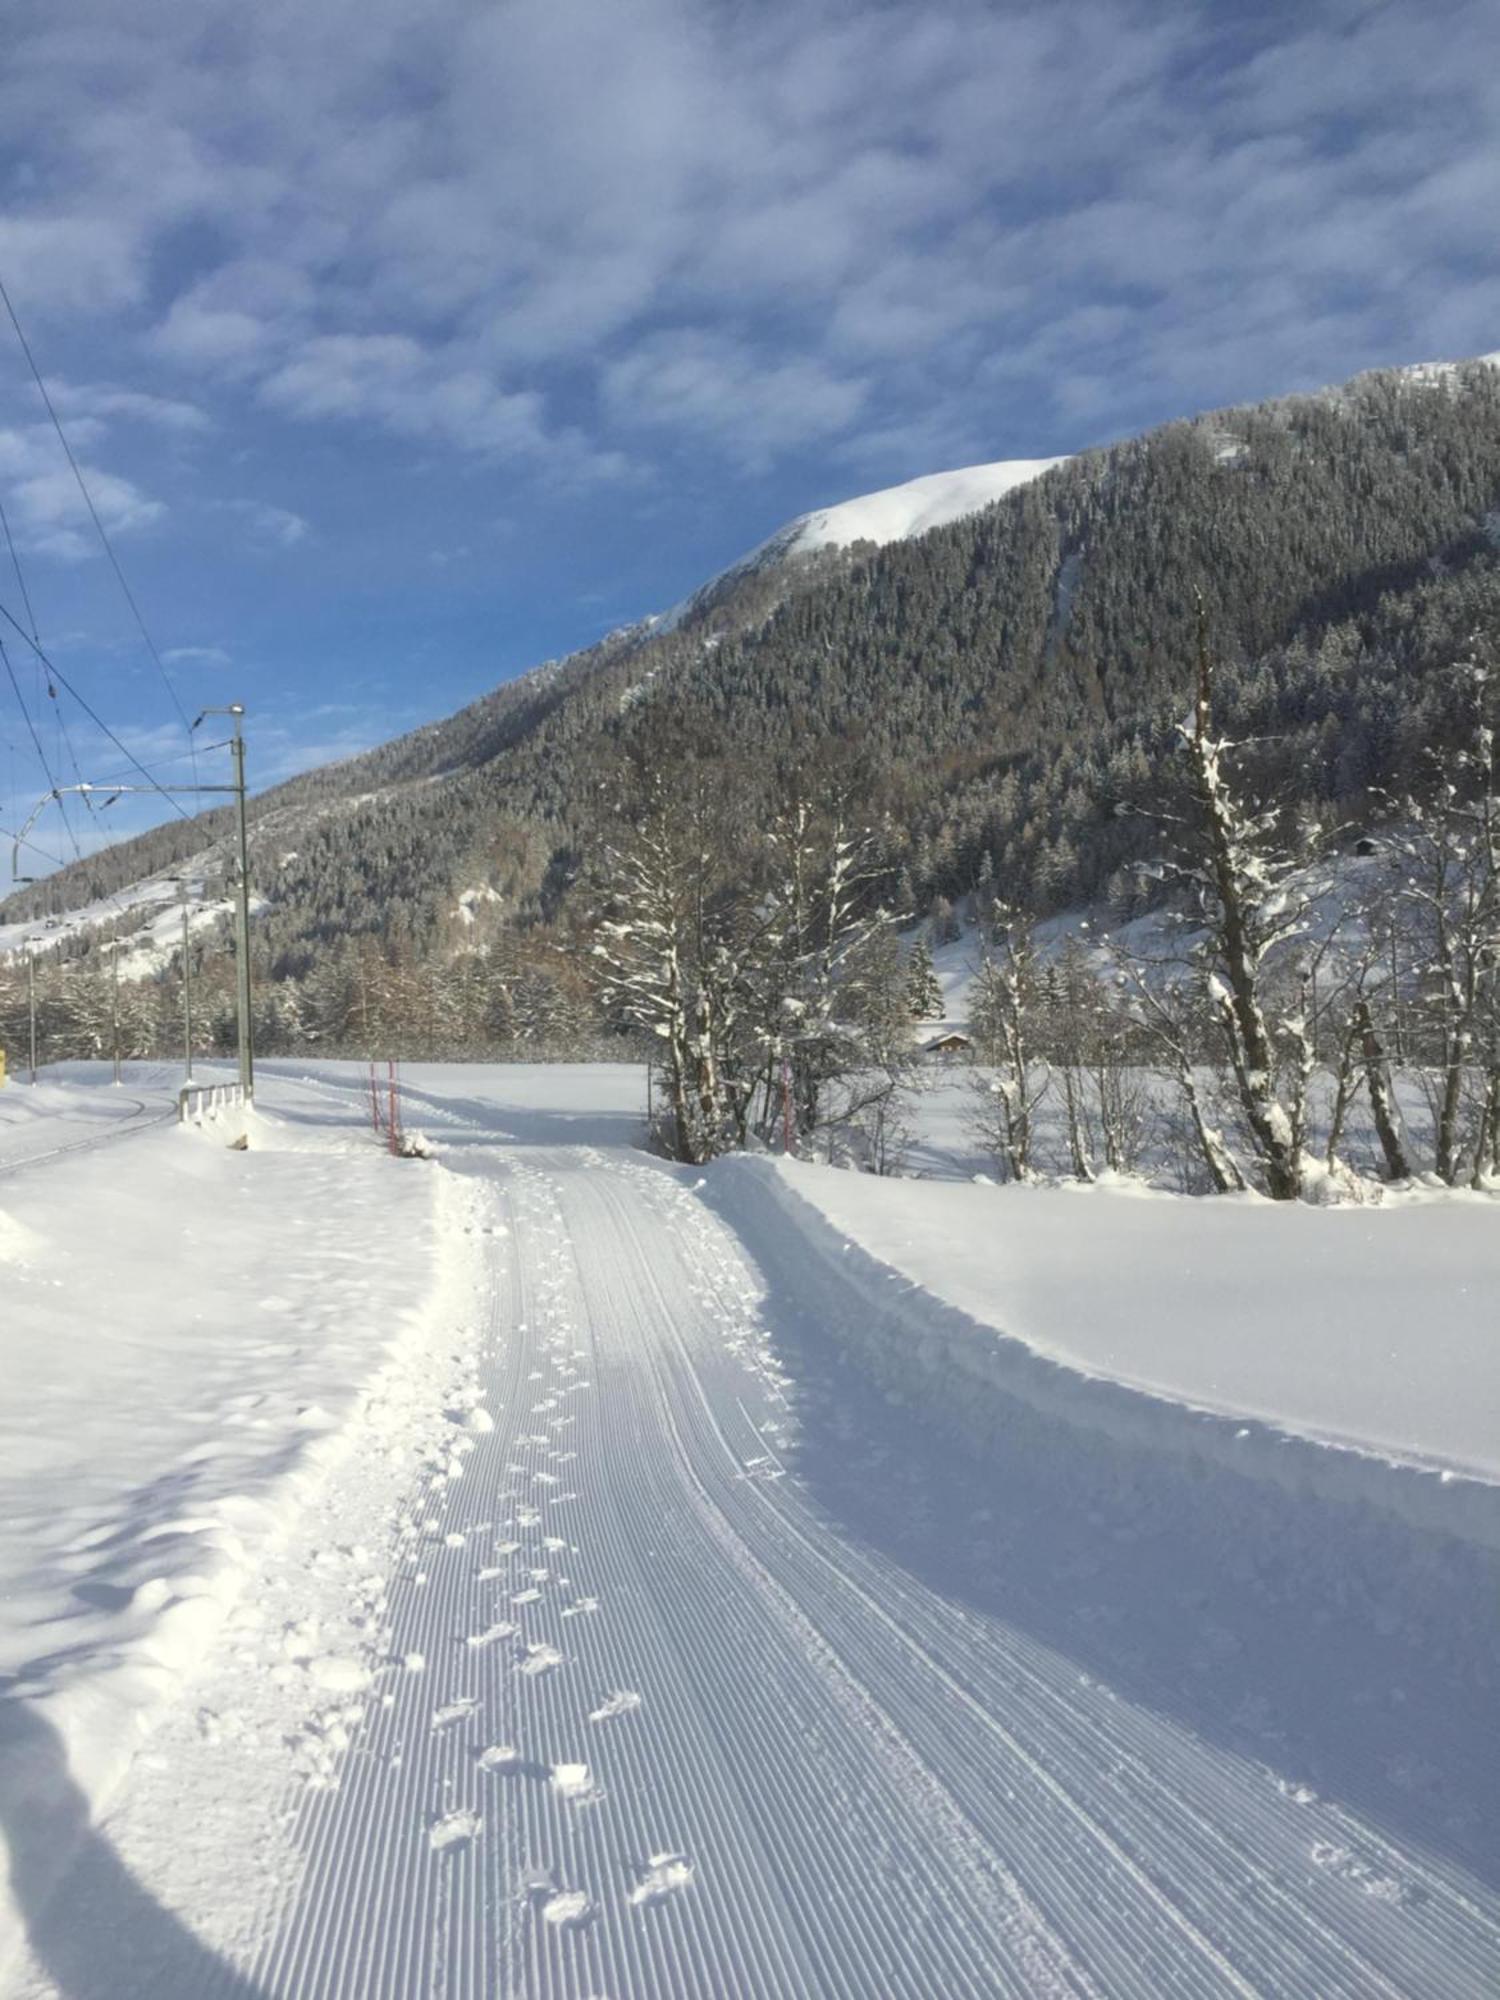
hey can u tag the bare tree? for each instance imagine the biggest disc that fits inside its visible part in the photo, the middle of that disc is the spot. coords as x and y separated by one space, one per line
1242 886
664 945
1448 852
1013 1079
1163 1014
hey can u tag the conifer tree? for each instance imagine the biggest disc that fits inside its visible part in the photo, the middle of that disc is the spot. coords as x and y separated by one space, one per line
924 995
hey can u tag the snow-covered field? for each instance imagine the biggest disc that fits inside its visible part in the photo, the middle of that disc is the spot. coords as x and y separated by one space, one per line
546 1571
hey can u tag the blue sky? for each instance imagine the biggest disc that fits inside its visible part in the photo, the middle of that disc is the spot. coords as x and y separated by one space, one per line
406 347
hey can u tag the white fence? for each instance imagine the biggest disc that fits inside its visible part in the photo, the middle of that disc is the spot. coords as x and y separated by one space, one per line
199 1101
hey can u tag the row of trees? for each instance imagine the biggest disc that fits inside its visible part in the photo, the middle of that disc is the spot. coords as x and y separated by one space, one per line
744 932
508 997
1275 998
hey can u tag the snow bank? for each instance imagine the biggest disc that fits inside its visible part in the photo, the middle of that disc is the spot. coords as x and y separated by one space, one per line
1341 1354
195 1339
1365 1327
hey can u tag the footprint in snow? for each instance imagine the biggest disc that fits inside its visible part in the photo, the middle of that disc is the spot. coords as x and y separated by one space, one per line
502 1629
567 1909
453 1830
1360 1874
574 1783
540 1659
664 1876
619 1703
499 1757
504 1760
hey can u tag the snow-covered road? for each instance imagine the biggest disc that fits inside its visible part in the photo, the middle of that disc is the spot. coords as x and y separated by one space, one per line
706 1670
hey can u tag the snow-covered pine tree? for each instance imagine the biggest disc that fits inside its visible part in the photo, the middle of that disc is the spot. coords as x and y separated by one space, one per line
924 996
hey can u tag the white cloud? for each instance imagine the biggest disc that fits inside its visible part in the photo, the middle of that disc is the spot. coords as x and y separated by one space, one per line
197 656
98 402
391 379
48 514
70 262
534 231
703 385
202 336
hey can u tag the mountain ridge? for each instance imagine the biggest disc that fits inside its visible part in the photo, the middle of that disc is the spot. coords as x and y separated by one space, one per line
1010 671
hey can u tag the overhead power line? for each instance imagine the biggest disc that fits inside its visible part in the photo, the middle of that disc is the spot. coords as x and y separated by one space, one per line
15 563
55 678
98 721
37 742
21 840
88 501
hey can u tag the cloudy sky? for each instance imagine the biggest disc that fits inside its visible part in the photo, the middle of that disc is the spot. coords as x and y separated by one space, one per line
407 346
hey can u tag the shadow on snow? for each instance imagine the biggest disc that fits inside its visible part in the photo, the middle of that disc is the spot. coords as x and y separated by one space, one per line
95 1930
1328 1642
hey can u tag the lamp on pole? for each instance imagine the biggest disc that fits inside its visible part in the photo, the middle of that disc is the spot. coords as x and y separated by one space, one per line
236 711
114 1001
31 1001
236 747
187 985
187 1003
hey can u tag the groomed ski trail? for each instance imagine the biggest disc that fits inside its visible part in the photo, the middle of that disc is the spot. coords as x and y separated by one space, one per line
665 1729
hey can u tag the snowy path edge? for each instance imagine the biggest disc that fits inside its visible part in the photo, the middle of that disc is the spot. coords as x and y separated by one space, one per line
103 1724
969 1375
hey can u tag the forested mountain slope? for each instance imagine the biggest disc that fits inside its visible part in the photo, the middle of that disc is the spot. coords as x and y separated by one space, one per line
1006 682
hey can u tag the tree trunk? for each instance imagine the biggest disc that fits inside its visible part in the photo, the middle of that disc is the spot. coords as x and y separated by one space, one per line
1382 1098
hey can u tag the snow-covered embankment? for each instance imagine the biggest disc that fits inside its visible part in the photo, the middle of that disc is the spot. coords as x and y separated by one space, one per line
217 1365
1359 1368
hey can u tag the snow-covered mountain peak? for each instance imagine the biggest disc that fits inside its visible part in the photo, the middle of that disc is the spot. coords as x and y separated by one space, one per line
894 514
898 513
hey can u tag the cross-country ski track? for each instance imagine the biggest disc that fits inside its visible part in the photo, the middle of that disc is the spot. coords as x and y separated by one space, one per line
707 1669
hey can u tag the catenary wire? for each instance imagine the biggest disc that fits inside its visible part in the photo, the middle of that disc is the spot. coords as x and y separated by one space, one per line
88 501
